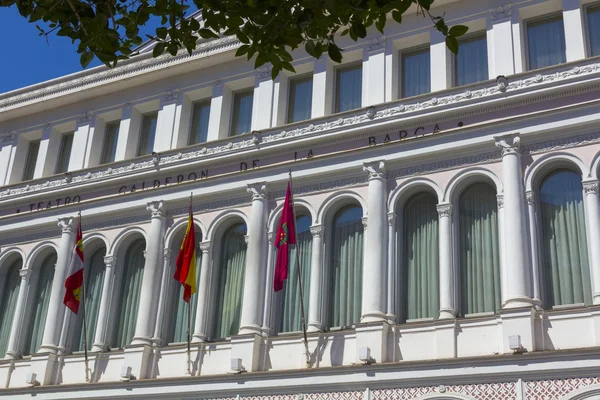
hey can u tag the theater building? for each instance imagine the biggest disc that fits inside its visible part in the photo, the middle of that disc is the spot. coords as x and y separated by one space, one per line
447 210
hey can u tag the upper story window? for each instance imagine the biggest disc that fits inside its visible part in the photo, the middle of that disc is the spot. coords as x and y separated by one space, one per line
416 72
593 22
64 153
109 147
146 142
546 42
300 104
348 88
242 112
471 62
32 155
200 116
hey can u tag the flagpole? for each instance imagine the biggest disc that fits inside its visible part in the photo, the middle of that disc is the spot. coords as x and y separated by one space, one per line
85 346
306 351
189 316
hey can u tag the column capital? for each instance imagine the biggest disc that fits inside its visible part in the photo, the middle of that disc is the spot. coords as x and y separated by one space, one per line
444 209
500 200
591 186
501 13
110 261
167 253
205 247
375 169
365 222
246 238
509 143
317 230
157 208
66 224
530 196
25 273
258 190
270 237
392 218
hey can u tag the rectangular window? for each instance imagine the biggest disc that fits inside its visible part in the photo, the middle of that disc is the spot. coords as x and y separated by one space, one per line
30 161
416 72
146 142
593 21
471 62
300 103
242 112
546 42
348 88
64 154
109 147
200 115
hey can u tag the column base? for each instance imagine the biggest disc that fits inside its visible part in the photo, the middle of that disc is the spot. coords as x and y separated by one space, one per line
99 347
447 313
250 330
314 327
596 299
198 338
48 348
373 316
139 340
519 302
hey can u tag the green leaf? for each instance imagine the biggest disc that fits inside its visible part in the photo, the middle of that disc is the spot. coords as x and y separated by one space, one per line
334 53
458 30
288 66
260 60
397 16
310 48
86 58
207 33
452 44
242 50
161 32
159 48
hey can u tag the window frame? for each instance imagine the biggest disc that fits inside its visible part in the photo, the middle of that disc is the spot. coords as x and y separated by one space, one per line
336 70
108 125
28 159
207 101
525 29
469 36
401 54
588 43
61 150
293 80
234 94
142 131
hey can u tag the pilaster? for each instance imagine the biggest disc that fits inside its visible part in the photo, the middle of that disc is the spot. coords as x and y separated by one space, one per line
80 142
447 280
392 268
101 338
500 25
575 38
165 124
315 301
262 108
374 86
201 323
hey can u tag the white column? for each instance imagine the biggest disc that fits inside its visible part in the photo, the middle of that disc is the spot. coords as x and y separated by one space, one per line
262 106
270 299
592 224
80 142
56 308
315 301
440 62
201 323
374 86
392 267
164 298
144 327
12 350
166 121
515 238
533 247
575 36
503 61
374 299
447 287
101 338
255 261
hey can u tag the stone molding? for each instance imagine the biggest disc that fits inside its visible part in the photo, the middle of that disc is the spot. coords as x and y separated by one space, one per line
359 117
502 12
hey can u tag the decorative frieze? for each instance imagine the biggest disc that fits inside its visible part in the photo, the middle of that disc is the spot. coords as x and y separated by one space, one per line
557 389
502 12
484 391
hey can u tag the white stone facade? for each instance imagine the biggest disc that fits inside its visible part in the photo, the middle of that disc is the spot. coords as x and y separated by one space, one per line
510 132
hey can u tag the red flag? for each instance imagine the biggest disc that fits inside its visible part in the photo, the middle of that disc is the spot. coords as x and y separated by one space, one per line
286 235
74 282
186 261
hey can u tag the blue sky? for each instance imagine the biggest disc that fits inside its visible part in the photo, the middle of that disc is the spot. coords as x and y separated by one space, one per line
27 58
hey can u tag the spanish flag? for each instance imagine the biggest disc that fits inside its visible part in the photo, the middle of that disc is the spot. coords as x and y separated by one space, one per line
186 261
74 282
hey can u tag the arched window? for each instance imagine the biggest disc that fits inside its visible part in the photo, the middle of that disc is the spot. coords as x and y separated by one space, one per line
176 318
346 267
420 258
10 293
478 249
94 280
291 313
129 294
41 299
565 258
230 290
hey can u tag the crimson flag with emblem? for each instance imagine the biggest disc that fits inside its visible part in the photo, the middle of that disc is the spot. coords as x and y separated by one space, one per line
286 236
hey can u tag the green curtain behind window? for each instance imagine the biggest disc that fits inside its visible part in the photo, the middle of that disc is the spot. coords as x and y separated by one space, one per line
232 267
94 280
177 318
478 247
291 315
420 258
129 297
41 299
346 267
10 293
566 268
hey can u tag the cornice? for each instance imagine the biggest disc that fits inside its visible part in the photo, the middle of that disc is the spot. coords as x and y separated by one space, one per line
274 136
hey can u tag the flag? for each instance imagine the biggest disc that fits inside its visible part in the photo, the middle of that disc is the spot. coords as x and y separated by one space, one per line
74 282
286 235
186 261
